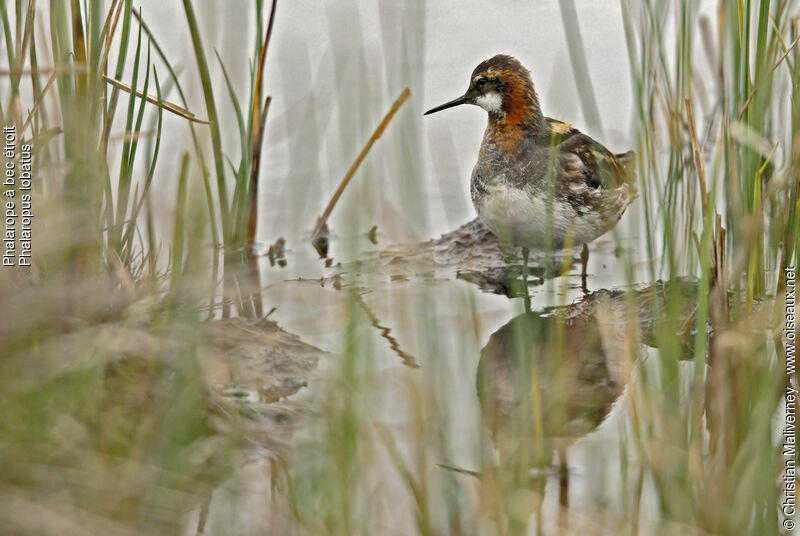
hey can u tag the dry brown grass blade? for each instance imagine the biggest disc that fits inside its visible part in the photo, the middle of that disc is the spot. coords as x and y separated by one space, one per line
78 43
108 32
260 73
39 101
258 138
350 172
698 158
255 274
168 106
129 136
752 94
259 122
408 359
107 24
28 29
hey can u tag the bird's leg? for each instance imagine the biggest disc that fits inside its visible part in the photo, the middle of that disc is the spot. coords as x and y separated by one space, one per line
584 263
525 278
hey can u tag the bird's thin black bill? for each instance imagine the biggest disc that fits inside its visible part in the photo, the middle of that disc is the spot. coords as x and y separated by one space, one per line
454 102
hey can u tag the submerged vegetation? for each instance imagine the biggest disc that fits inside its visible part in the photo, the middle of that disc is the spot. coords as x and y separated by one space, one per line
133 403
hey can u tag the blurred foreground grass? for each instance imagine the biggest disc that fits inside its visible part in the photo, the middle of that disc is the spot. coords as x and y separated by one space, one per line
109 424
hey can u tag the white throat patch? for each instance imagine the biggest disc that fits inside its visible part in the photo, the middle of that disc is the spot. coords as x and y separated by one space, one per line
491 102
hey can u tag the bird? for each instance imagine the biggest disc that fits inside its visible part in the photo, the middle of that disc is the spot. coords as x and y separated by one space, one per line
539 182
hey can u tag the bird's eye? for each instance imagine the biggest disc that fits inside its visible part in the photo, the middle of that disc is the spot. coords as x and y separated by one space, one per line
480 82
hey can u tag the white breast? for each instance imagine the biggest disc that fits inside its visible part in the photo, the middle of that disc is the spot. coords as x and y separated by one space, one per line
517 217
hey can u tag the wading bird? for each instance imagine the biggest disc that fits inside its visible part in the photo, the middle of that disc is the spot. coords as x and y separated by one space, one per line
539 182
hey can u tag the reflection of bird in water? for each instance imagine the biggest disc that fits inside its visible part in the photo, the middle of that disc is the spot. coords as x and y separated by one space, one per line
576 357
546 379
547 374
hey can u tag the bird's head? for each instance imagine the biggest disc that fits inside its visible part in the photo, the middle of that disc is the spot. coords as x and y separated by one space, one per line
502 87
